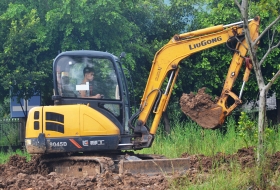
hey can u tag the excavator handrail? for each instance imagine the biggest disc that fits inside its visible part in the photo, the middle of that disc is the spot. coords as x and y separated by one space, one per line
209 30
236 23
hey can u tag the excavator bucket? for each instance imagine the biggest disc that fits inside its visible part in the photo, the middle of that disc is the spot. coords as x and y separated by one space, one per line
201 109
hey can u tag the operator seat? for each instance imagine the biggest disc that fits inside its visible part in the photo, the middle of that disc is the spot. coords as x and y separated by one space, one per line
67 89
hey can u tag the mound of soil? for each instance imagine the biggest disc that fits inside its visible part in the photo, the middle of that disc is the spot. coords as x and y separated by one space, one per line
245 156
202 165
201 108
17 173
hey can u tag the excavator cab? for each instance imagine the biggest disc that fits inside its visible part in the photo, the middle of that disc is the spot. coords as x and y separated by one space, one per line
108 81
69 70
79 123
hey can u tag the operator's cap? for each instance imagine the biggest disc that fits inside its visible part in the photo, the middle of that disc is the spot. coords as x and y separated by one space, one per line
88 70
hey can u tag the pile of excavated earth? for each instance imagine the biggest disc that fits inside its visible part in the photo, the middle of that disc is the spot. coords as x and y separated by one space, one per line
201 108
17 173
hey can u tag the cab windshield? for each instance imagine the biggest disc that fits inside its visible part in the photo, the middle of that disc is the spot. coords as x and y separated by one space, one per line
86 77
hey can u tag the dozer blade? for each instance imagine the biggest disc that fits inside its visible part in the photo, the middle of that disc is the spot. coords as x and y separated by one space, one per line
201 109
155 166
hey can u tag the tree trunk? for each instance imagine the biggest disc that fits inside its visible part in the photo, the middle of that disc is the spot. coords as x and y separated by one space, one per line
278 110
261 125
166 122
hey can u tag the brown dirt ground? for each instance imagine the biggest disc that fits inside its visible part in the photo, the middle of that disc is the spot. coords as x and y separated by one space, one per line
17 173
201 108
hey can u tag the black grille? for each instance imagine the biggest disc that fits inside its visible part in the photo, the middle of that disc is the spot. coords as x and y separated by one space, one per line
55 117
54 127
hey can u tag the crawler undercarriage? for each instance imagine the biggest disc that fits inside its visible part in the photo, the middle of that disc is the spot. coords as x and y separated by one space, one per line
78 165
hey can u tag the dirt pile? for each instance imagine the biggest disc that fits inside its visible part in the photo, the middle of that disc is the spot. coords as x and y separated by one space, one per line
201 108
202 165
245 157
19 174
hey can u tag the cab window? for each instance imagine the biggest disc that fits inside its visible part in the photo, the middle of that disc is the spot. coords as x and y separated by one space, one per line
71 79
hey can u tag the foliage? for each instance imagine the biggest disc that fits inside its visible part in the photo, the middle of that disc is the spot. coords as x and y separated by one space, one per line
213 63
33 32
247 129
21 49
9 132
187 136
4 107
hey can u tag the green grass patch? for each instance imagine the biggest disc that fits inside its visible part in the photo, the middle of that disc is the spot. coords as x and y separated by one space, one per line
233 177
188 137
4 156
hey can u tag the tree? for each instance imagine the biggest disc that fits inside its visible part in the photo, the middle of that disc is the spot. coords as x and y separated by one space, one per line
33 32
22 36
257 64
213 63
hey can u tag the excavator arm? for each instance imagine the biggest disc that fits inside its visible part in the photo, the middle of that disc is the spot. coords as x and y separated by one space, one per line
165 65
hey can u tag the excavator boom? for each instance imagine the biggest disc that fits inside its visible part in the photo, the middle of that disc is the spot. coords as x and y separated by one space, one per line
166 63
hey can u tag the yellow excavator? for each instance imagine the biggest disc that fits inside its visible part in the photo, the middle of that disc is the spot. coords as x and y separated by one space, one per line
94 133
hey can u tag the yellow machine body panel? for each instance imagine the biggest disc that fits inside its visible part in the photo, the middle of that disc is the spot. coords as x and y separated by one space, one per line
68 120
34 123
102 125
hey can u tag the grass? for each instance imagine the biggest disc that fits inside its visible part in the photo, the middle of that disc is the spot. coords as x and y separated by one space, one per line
4 157
191 138
188 137
234 178
215 179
